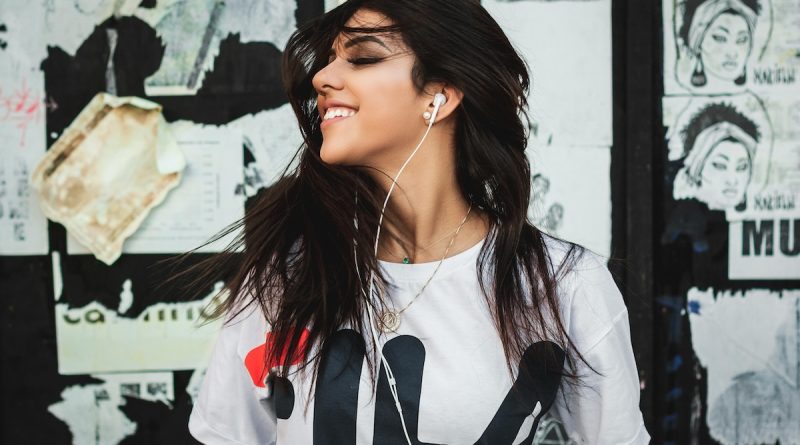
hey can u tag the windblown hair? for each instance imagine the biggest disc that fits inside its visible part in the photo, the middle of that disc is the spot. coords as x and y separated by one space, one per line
295 257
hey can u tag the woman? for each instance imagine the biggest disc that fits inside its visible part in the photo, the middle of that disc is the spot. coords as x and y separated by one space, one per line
403 226
720 144
718 35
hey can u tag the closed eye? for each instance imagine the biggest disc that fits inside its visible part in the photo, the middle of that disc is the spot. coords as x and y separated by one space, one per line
364 60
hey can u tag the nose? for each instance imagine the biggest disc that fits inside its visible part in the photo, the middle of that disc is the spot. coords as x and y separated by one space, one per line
328 78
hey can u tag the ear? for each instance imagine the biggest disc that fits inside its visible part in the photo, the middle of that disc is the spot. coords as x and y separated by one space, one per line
453 95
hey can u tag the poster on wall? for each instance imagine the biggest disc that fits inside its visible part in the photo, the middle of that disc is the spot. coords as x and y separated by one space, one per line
562 209
740 153
95 338
23 226
750 344
95 413
204 202
559 40
193 30
727 46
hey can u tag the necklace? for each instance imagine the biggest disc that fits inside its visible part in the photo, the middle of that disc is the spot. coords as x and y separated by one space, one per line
390 319
407 259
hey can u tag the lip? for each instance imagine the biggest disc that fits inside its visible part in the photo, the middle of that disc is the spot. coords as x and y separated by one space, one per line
730 65
334 103
730 193
326 123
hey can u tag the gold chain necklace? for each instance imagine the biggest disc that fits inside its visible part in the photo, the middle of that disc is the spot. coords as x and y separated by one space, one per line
390 319
407 259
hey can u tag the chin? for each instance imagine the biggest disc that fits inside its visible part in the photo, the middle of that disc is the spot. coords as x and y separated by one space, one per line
332 155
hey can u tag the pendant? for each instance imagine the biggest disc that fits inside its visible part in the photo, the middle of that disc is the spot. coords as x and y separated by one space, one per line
406 260
390 321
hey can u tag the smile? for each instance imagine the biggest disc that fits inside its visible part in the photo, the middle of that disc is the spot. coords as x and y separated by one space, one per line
336 114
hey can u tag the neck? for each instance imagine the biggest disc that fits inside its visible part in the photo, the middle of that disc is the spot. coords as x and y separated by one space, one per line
427 206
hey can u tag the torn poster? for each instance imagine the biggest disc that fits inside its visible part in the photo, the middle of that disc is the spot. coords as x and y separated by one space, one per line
204 204
750 343
765 243
69 23
175 336
569 186
192 31
107 170
273 138
560 41
729 46
23 226
92 412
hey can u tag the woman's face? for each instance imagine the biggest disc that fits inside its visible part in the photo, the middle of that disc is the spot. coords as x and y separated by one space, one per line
726 46
725 175
370 76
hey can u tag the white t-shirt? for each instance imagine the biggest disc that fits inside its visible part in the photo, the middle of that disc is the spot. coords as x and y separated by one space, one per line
452 376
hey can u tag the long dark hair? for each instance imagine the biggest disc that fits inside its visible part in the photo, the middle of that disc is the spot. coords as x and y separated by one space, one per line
295 256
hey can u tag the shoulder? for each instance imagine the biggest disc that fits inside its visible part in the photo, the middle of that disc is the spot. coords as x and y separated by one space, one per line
591 304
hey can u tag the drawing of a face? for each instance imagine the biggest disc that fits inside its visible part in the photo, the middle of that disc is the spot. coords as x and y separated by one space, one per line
540 186
725 175
726 46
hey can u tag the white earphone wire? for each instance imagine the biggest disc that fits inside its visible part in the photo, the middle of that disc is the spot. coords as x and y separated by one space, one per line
439 100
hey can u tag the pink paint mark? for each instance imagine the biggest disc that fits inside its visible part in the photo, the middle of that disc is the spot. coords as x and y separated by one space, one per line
21 107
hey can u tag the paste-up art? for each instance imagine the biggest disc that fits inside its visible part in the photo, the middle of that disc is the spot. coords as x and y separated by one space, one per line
724 145
558 207
750 344
713 43
101 178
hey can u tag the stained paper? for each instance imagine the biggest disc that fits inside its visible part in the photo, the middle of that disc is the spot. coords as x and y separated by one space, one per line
108 169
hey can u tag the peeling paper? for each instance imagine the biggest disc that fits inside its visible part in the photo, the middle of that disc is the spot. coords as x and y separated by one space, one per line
70 22
110 167
750 344
273 138
204 204
193 30
171 336
92 412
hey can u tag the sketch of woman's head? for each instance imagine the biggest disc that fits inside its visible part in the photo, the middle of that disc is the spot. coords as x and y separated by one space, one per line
719 36
719 147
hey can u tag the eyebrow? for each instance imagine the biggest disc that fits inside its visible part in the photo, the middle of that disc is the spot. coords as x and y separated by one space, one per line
724 29
357 40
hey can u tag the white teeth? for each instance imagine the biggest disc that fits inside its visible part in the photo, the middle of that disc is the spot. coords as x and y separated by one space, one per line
336 112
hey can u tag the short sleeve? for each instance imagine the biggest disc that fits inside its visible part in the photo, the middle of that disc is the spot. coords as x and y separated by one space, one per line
227 410
602 409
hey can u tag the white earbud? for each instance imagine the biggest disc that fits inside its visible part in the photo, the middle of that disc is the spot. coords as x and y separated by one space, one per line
438 100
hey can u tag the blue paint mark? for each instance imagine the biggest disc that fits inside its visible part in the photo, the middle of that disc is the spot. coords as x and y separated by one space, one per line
674 393
670 421
694 307
676 363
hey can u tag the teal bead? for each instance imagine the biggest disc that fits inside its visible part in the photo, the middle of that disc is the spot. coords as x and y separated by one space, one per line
406 260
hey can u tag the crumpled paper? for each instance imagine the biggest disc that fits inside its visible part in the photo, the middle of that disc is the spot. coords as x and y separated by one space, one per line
110 167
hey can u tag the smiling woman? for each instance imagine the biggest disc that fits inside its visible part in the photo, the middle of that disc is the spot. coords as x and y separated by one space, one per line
391 288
